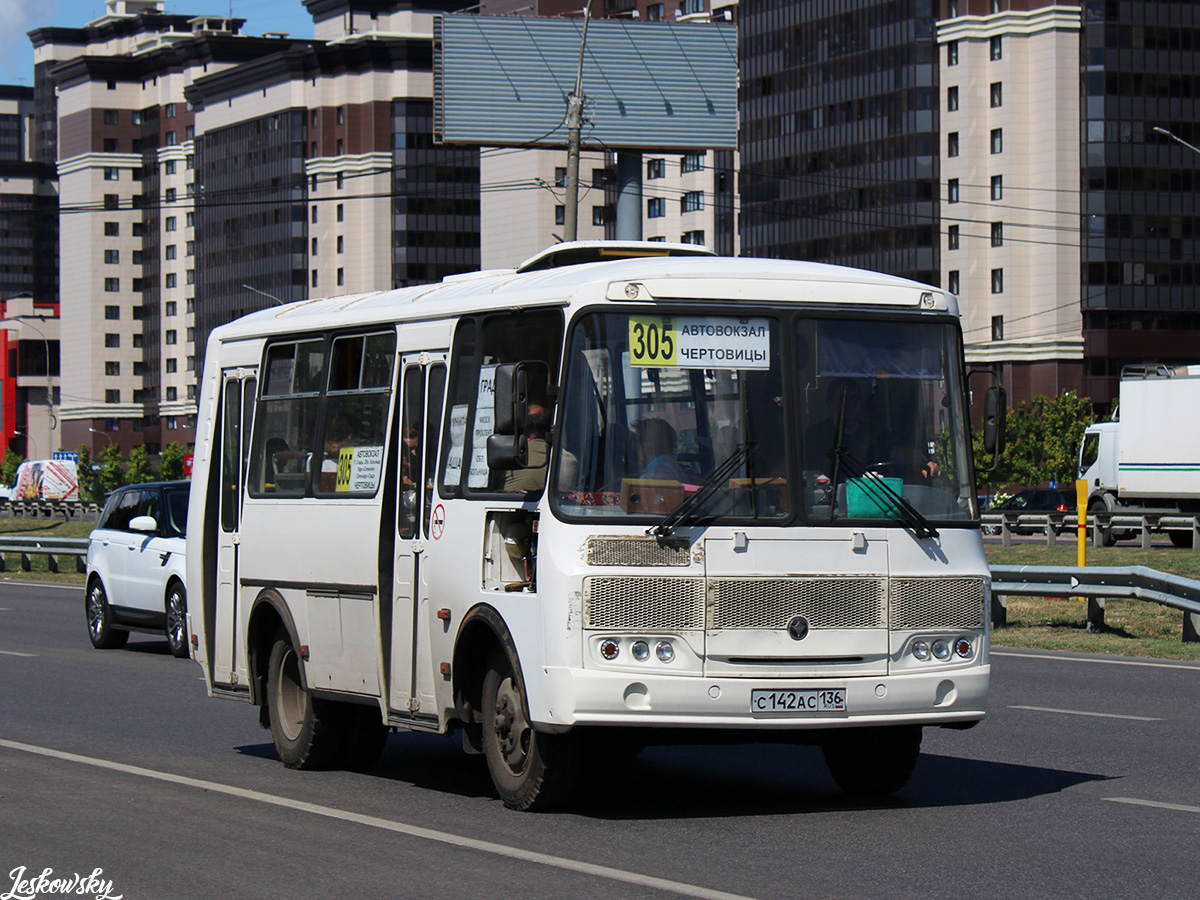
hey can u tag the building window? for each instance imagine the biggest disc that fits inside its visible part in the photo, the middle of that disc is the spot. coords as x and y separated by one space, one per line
952 53
171 140
314 214
997 234
112 229
170 111
599 215
111 173
654 12
997 328
997 47
560 176
560 215
189 276
341 244
112 285
112 313
995 6
997 94
112 117
952 144
952 99
171 337
341 180
171 251
190 220
172 393
171 223
189 132
340 147
952 191
656 168
137 258
341 277
169 308
692 201
952 283
656 208
693 237
169 167
997 140
112 395
314 247
997 187
692 162
172 365
172 279
112 367
997 281
171 194
190 248
112 257
341 212
137 340
112 201
112 341
952 9
314 277
139 368
952 237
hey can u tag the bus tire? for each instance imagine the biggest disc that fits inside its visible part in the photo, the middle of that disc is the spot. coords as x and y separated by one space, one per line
365 737
176 619
99 620
873 762
305 730
531 770
1180 538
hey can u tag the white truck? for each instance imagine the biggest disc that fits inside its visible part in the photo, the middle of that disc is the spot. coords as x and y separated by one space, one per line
47 479
1149 459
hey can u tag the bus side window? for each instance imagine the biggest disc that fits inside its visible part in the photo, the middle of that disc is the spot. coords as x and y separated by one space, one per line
411 414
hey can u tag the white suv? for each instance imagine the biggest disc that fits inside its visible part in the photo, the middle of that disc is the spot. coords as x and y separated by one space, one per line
135 566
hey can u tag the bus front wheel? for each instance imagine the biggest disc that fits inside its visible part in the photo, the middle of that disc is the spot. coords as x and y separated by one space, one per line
873 762
304 729
530 769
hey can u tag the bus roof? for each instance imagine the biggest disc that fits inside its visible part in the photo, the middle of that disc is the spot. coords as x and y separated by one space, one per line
715 279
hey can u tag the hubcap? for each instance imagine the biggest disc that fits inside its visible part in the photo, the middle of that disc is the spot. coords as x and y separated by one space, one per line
292 703
176 616
512 728
95 612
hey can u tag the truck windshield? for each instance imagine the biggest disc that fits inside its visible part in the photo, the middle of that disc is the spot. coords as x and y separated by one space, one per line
723 417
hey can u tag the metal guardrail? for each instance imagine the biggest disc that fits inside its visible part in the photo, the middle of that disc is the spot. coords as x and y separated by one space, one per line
54 549
1056 525
1097 583
49 509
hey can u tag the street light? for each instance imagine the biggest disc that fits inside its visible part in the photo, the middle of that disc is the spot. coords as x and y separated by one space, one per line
1176 138
20 322
103 434
28 440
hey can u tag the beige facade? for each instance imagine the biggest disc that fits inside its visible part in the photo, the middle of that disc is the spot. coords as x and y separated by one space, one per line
1010 169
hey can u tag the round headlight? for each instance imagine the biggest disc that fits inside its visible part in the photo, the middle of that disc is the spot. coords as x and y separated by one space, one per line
664 651
609 648
920 650
941 650
963 648
640 651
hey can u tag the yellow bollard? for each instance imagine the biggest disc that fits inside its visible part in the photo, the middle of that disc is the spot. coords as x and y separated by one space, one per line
1081 499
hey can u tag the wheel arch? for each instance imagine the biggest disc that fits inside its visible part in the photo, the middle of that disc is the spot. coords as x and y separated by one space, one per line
483 630
268 613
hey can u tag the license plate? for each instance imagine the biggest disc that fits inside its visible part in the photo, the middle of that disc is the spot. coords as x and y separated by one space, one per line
798 702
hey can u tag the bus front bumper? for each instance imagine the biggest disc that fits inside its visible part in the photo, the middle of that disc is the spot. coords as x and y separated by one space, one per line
588 697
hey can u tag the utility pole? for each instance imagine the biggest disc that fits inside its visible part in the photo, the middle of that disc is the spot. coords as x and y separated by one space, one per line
574 125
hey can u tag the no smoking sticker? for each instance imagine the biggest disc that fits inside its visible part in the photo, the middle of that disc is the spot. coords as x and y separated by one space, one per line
437 522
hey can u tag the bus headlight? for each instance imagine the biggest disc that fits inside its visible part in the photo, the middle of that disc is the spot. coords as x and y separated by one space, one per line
640 651
664 651
920 650
941 650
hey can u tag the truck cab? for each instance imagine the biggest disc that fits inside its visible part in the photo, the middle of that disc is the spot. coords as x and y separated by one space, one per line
1098 456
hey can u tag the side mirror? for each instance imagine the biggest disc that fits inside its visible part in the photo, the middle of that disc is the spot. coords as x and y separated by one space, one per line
143 523
995 412
507 451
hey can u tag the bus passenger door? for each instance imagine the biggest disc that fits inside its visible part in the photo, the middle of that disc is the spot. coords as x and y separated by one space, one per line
237 411
423 383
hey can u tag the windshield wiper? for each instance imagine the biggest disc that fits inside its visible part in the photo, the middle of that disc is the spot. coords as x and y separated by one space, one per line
716 478
881 493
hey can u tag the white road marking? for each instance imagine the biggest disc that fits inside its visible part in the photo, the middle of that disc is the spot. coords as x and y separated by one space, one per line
1179 807
1079 712
429 834
1106 662
15 653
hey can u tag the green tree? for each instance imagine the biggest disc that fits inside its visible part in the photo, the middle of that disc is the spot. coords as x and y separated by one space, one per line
111 475
89 478
139 469
8 470
170 462
1041 442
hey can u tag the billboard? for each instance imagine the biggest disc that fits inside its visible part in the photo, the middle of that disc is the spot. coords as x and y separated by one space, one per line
505 81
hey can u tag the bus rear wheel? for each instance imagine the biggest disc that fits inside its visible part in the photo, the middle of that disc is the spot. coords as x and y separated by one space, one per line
873 762
530 769
305 730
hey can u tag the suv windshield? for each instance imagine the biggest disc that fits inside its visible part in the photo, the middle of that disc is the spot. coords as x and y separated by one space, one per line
718 416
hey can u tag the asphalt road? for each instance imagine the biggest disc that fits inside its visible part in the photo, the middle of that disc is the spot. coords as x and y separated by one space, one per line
1081 783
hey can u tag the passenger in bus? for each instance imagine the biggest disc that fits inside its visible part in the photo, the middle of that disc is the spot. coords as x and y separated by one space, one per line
408 457
340 434
657 446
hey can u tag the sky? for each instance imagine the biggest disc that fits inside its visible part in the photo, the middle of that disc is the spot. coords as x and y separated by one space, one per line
19 17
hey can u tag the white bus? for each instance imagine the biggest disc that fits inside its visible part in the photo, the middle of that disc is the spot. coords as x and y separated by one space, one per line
592 503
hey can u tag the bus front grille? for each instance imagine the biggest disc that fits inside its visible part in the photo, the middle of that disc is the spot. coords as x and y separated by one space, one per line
643 603
637 551
773 602
936 603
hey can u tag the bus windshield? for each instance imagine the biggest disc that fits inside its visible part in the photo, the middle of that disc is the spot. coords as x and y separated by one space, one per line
761 416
